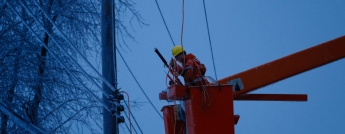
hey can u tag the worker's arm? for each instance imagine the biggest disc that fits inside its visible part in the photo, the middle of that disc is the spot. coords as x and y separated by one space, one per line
188 70
177 68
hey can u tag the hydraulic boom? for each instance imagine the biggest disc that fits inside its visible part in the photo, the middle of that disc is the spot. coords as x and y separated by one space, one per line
288 66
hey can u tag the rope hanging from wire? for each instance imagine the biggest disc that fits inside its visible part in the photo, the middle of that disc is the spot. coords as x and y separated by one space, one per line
182 23
182 29
209 39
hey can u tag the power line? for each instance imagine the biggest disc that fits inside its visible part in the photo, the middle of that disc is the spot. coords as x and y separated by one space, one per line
93 67
138 82
133 118
19 120
80 54
61 48
165 22
127 128
64 50
74 47
54 55
209 39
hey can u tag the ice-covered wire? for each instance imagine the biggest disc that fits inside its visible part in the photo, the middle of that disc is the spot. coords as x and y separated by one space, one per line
64 50
74 47
19 120
61 48
54 55
103 79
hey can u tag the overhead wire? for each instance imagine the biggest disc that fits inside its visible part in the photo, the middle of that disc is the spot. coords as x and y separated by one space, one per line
54 55
209 39
126 127
87 88
165 22
138 83
19 121
84 57
129 110
115 69
133 74
75 48
104 80
133 119
205 95
108 110
97 84
58 44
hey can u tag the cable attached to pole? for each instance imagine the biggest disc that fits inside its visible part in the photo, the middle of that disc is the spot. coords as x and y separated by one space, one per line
129 111
71 44
54 55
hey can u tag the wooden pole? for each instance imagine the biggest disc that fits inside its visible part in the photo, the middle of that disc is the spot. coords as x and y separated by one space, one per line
110 124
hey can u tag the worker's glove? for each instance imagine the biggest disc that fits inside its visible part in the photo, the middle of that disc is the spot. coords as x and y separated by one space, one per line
172 62
192 83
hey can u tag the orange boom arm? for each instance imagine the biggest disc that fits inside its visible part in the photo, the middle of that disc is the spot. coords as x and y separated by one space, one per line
288 66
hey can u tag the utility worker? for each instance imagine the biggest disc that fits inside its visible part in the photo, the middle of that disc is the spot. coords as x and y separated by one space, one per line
193 70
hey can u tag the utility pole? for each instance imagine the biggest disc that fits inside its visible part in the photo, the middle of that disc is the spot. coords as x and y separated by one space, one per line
110 124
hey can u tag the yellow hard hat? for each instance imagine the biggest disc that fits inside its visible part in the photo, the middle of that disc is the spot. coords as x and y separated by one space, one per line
176 50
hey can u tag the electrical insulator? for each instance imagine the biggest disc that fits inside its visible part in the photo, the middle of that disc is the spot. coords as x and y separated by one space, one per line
120 119
120 108
120 97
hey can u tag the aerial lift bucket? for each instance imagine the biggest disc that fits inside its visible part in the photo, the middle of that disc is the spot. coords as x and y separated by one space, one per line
209 109
172 123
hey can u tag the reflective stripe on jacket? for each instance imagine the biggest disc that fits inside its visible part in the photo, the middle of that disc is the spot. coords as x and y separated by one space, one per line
191 73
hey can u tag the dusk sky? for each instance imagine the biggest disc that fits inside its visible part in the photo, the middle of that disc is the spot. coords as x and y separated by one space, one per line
244 34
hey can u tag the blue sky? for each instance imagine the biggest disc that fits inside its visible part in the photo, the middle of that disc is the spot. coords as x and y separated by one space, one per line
244 34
